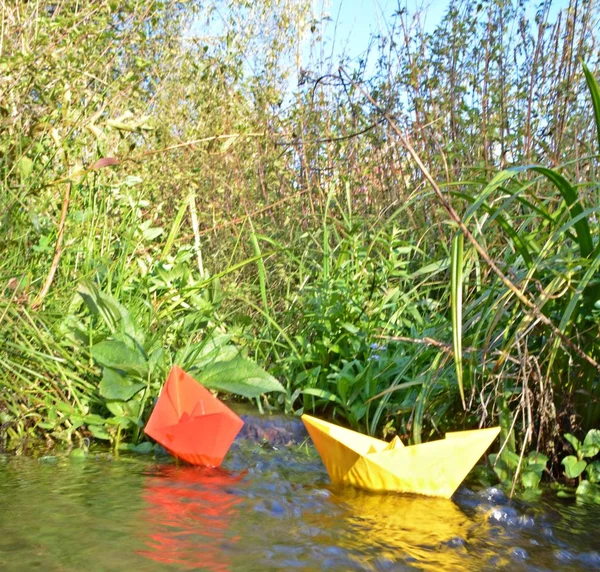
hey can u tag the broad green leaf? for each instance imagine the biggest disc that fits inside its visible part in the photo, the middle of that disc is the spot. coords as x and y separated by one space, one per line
239 376
214 349
495 183
128 122
93 419
519 241
512 459
573 467
570 196
222 354
589 451
116 355
592 438
149 234
78 454
323 394
589 491
229 141
175 226
262 272
48 425
156 357
127 409
536 458
144 448
432 268
500 468
573 440
99 432
531 479
124 422
118 387
132 181
25 166
64 407
350 327
115 316
76 421
537 467
593 472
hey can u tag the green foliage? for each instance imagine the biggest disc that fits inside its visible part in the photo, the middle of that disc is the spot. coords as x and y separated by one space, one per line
527 470
182 206
585 461
135 364
576 465
550 254
239 376
352 291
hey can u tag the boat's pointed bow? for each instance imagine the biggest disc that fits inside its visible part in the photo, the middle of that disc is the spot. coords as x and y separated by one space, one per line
467 448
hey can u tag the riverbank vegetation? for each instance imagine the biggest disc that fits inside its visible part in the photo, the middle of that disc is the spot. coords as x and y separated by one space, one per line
407 243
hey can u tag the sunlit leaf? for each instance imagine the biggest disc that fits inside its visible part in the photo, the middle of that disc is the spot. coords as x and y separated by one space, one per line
573 467
239 376
117 386
116 355
456 297
115 316
593 472
531 479
99 432
25 166
322 394
573 440
571 197
592 438
589 491
144 448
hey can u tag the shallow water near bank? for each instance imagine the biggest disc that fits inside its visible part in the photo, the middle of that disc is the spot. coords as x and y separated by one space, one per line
268 509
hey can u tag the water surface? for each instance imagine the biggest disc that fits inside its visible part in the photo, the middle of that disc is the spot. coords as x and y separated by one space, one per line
268 509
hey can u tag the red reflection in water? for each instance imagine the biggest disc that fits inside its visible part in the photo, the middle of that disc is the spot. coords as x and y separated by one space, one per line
188 514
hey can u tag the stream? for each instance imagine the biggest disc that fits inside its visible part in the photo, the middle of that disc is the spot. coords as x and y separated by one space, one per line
269 507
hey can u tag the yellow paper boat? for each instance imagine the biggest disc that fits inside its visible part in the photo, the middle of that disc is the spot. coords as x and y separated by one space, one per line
434 469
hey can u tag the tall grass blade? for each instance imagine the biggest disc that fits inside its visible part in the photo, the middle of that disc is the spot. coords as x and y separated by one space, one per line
174 230
494 184
495 213
260 263
326 250
196 229
570 196
595 94
456 298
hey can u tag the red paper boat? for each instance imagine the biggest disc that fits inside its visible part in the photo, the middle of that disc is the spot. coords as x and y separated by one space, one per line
191 423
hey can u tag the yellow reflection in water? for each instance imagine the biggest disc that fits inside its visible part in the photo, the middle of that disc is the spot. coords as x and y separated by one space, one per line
426 532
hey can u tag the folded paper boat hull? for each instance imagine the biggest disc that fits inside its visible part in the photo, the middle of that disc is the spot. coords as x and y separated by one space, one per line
191 423
199 441
435 469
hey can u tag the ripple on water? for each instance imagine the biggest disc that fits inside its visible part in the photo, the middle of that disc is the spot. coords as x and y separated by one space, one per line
268 510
